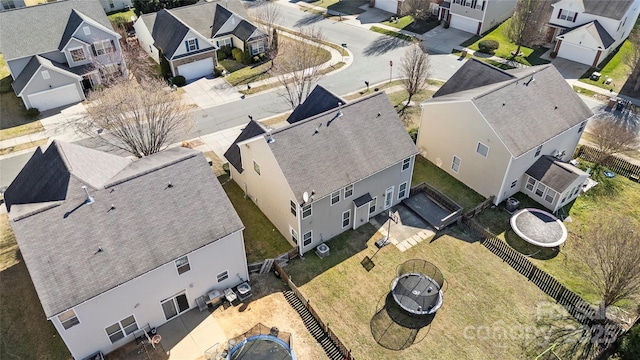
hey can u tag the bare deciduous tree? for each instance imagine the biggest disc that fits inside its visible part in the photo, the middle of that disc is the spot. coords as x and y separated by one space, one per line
140 118
528 23
416 68
613 256
632 59
267 14
299 72
419 9
613 136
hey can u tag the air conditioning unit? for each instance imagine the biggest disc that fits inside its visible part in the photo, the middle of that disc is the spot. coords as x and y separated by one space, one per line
322 250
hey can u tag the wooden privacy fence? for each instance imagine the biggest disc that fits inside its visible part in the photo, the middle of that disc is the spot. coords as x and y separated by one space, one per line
615 164
483 205
345 352
263 267
442 200
582 311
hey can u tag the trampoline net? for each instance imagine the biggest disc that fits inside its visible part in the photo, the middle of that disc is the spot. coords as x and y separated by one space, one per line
418 266
261 329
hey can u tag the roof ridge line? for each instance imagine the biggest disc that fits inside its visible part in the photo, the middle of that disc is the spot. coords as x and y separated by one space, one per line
506 83
110 183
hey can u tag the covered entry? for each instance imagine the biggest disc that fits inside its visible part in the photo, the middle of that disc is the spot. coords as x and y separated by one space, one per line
361 211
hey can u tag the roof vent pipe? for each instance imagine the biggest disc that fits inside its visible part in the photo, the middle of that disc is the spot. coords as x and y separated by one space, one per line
90 199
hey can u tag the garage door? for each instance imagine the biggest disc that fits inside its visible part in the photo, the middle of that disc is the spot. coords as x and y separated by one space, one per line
196 69
464 24
50 99
577 53
387 5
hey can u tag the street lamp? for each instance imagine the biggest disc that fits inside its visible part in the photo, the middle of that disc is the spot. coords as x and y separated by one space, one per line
390 69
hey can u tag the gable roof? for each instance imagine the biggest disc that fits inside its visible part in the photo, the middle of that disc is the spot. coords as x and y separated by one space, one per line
40 29
473 74
233 154
146 213
35 63
368 138
596 31
554 173
319 101
610 9
528 110
168 32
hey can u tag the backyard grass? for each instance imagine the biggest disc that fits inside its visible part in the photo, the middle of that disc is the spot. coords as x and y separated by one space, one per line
614 67
529 56
25 332
114 15
618 195
261 239
408 23
391 33
484 298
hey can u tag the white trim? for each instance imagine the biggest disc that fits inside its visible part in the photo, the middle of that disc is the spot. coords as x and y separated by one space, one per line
405 190
342 219
389 190
302 242
478 148
63 72
310 205
332 196
453 162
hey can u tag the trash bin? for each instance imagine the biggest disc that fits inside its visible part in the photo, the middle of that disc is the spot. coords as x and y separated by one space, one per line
595 76
620 106
611 103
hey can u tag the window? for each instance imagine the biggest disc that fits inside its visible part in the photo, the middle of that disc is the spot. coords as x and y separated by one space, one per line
482 149
192 45
86 30
45 74
224 42
576 191
256 167
531 183
8 4
538 150
567 15
406 163
402 190
294 208
294 236
306 211
222 276
540 189
77 55
551 195
348 191
346 218
103 47
68 319
455 164
565 196
372 205
257 47
120 329
584 123
174 305
335 197
480 4
306 239
514 183
182 265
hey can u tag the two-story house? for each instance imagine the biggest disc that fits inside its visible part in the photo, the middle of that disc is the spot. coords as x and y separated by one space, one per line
115 5
587 31
115 246
476 16
57 51
328 173
500 132
189 36
11 4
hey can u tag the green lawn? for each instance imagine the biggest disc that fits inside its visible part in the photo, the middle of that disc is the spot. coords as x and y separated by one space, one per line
410 24
484 299
350 7
614 67
113 16
529 56
13 119
391 33
261 239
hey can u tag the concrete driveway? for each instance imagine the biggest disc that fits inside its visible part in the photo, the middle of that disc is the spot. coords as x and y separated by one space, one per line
570 70
208 93
441 41
372 15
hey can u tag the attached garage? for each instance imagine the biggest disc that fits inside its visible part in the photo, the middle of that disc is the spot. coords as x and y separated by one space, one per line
49 99
577 53
464 24
387 5
196 69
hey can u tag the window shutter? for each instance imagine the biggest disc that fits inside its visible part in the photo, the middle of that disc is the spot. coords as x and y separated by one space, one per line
113 45
575 17
93 48
186 45
197 46
559 13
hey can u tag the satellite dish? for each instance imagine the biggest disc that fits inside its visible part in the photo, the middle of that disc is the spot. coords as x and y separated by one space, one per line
305 196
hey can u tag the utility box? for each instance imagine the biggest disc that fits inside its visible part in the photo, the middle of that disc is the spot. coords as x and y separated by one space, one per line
595 76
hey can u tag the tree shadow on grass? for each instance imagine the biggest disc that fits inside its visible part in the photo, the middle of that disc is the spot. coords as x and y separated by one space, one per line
394 328
384 44
530 250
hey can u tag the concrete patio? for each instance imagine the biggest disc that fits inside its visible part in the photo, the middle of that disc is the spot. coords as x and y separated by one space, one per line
191 335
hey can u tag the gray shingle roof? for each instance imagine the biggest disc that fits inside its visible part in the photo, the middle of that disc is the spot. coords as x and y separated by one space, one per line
318 101
168 32
526 113
597 32
149 225
35 63
232 154
473 74
368 138
39 29
614 9
554 173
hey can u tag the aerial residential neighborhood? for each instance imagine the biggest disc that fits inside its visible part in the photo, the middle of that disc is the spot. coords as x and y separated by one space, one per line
268 179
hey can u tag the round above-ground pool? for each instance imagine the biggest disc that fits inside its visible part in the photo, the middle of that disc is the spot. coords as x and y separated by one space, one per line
417 293
261 347
539 228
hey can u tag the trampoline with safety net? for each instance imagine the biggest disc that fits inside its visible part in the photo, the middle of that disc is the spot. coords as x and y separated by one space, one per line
418 287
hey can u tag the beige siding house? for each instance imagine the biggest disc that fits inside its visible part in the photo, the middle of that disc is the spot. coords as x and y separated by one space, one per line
326 173
501 132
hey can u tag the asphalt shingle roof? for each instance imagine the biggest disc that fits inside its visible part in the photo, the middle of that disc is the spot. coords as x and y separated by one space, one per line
611 9
168 32
146 213
476 74
232 154
596 31
318 101
528 110
40 29
35 63
554 173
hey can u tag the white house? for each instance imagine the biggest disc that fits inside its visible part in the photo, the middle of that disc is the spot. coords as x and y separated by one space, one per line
326 173
475 16
501 132
114 246
587 31
115 5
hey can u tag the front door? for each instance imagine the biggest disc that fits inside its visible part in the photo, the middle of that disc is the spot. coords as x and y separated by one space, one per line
86 83
175 305
388 198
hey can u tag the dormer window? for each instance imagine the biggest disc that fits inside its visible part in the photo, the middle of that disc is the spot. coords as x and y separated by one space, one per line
77 55
192 44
